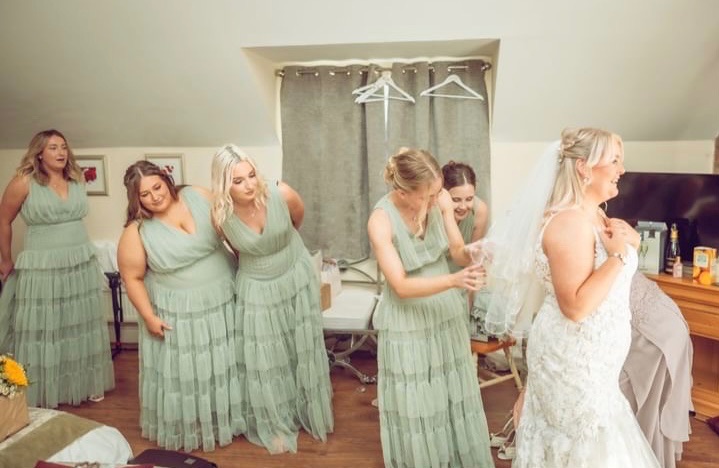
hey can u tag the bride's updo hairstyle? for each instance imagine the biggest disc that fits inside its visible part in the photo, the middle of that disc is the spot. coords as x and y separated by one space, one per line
411 169
591 145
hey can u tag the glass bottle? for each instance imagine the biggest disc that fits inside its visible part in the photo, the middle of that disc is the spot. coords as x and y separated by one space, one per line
677 268
672 249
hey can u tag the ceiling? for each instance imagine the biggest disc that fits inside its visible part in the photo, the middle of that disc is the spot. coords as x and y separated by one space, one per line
190 73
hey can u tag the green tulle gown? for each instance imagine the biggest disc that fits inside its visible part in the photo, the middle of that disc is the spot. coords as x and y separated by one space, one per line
279 332
189 388
431 412
60 331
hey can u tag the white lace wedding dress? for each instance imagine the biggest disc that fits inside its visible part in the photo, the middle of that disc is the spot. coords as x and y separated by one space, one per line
574 413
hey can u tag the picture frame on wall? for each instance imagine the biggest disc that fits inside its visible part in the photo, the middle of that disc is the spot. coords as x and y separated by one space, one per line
171 163
94 170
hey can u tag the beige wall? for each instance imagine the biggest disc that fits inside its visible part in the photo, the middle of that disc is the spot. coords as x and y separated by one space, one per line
511 163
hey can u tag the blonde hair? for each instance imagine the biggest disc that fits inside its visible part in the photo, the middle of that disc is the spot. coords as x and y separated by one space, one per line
31 164
223 162
409 170
591 145
133 176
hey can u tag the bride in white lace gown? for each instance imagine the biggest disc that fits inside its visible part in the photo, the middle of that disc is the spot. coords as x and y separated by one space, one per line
574 414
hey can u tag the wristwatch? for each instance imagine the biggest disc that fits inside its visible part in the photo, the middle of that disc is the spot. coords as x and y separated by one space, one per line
620 256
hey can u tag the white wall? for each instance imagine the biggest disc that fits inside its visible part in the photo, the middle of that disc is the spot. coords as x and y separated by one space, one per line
107 213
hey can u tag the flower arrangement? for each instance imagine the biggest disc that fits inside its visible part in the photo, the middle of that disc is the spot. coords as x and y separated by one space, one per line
12 376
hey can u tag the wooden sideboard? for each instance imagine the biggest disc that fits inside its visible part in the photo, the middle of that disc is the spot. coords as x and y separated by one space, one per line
700 306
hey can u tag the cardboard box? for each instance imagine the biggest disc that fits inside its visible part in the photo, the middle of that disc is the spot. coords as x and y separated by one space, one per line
13 414
325 296
652 247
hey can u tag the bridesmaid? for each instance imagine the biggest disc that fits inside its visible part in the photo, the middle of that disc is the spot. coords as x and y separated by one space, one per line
60 332
470 213
431 411
280 344
178 276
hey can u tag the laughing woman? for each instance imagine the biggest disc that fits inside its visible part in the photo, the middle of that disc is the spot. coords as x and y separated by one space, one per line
57 313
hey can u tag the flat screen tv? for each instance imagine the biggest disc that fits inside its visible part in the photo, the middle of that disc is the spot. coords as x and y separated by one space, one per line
690 200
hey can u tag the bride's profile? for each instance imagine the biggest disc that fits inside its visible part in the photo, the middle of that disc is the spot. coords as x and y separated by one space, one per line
555 234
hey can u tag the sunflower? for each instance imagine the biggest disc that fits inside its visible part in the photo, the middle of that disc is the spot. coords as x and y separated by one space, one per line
14 372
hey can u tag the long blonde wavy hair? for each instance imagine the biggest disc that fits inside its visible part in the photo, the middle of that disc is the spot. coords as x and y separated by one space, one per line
223 162
31 164
409 170
591 145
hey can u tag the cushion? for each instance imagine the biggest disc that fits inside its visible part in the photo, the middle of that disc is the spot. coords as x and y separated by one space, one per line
351 309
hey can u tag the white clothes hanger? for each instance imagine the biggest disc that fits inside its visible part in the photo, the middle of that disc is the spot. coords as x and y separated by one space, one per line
371 92
429 92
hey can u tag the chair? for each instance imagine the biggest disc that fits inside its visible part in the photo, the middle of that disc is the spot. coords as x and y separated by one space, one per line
351 315
485 347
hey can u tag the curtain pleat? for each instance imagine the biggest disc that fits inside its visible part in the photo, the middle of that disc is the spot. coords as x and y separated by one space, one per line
334 150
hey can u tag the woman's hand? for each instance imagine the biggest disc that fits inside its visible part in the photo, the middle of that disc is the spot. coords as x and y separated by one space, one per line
617 235
157 327
622 228
444 201
6 267
471 278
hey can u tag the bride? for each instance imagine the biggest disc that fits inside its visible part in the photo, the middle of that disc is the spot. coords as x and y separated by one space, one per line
557 237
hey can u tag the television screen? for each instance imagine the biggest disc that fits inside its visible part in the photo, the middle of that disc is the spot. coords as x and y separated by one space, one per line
690 200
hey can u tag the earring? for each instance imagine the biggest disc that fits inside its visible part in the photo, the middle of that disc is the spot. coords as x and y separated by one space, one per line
585 180
39 158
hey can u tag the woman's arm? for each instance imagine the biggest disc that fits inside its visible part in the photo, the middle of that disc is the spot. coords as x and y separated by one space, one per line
481 217
132 261
380 234
569 245
294 204
454 236
12 200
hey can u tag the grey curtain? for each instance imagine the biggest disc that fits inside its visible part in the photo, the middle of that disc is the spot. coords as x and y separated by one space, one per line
334 151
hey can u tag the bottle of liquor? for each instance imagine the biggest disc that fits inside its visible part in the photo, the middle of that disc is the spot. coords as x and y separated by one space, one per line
672 249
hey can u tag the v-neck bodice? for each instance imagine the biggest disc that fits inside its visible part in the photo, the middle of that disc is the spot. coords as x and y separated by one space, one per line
269 253
43 206
416 252
170 248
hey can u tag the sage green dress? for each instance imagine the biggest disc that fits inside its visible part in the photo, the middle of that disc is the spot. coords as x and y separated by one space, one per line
431 412
280 343
60 331
189 387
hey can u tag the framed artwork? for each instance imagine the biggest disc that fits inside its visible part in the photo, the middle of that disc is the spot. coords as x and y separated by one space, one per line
171 163
94 169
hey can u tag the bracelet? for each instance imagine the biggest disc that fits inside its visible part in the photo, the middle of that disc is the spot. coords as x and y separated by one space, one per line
620 256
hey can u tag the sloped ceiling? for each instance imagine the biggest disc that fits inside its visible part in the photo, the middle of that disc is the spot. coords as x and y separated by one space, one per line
192 73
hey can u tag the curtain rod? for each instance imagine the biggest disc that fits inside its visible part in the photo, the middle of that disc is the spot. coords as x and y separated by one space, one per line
346 70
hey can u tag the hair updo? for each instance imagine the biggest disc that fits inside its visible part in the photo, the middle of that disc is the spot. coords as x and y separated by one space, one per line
457 174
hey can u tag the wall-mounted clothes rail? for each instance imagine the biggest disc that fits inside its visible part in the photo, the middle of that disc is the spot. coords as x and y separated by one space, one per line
346 71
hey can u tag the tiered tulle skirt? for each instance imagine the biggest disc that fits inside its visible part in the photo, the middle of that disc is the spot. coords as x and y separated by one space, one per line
189 388
431 412
59 324
285 380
